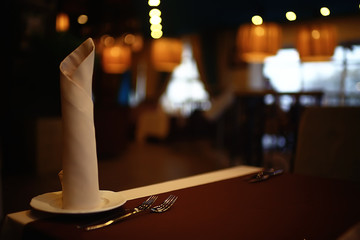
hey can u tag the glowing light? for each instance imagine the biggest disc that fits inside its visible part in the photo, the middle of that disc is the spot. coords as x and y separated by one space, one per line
116 59
255 43
316 42
291 16
156 27
257 20
156 34
115 51
154 3
155 20
62 22
324 11
129 39
259 31
108 41
166 54
185 91
82 19
155 12
315 34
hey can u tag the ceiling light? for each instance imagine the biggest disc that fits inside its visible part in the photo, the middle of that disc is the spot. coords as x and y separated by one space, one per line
156 34
155 20
291 16
257 20
154 3
155 27
155 12
324 11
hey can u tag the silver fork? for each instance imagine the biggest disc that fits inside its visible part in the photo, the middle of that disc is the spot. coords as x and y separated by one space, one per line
165 205
142 207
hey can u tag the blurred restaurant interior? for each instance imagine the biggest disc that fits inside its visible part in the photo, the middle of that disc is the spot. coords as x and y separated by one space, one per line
181 87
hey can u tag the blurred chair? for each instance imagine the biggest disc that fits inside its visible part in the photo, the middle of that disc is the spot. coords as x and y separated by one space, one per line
152 123
329 143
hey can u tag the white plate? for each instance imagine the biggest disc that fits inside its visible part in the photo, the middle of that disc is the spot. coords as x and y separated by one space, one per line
52 203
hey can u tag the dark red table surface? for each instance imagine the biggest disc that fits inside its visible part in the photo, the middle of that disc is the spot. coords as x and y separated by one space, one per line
288 206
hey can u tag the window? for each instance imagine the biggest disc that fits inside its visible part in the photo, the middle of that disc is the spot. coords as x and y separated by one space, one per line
336 78
185 91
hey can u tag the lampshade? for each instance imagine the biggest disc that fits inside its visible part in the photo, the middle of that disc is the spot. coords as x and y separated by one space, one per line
116 59
316 42
166 53
256 42
62 22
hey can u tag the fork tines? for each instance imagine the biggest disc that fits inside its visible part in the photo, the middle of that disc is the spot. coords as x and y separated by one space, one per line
148 202
165 205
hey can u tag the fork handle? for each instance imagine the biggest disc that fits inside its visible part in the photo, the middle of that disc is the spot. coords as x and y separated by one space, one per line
115 220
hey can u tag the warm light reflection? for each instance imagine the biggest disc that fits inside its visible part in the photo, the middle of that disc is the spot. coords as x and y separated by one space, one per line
259 31
82 19
257 20
291 16
116 59
166 53
155 20
62 22
137 43
108 41
154 3
324 11
129 38
315 34
155 12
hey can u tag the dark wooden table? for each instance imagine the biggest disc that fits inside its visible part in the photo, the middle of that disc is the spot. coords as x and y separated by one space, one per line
288 206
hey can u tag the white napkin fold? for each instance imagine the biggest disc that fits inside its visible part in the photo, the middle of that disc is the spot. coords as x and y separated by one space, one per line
80 185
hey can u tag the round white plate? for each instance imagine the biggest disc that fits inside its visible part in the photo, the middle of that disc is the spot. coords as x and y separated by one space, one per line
52 203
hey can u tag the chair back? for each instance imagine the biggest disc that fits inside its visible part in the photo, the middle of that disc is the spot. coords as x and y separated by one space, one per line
329 143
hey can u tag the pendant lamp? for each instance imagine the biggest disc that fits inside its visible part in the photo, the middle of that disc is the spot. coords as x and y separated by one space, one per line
316 42
166 54
62 22
116 59
256 42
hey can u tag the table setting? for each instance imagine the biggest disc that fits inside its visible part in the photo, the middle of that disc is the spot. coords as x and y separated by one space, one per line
286 206
241 202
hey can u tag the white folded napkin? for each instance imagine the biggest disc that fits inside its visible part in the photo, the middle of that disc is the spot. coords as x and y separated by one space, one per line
80 184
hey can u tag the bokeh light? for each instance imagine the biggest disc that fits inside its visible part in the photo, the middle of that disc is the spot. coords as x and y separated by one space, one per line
257 20
156 34
155 12
155 27
155 20
325 11
291 16
154 3
82 19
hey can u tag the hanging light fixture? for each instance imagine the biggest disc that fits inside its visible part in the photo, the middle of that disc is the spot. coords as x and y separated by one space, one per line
256 42
166 54
116 59
316 42
62 22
